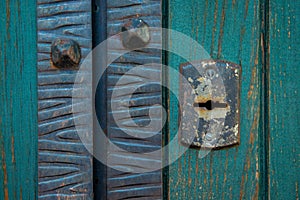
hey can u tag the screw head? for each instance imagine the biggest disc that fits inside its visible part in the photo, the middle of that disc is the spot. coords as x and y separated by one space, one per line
135 34
65 54
210 72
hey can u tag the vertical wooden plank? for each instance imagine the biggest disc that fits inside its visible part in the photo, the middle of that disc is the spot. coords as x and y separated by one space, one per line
65 166
284 109
122 180
18 103
228 30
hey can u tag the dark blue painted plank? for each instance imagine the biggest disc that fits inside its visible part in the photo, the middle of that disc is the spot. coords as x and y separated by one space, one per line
121 183
65 166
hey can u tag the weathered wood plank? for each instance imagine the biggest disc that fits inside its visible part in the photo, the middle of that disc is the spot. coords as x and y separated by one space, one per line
18 100
283 52
228 30
65 166
121 184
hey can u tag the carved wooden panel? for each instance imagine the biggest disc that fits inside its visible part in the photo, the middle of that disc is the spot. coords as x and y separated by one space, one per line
121 183
65 166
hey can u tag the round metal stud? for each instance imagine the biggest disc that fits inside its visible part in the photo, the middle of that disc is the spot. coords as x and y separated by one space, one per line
135 34
65 54
210 72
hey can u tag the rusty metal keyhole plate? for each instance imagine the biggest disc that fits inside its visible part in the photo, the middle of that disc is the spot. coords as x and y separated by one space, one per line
210 96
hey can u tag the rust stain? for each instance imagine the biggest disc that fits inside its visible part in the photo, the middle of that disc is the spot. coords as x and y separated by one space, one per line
253 82
205 170
5 176
233 3
196 172
297 190
250 91
230 189
255 196
262 44
253 71
246 9
253 77
248 155
204 98
257 168
252 138
225 173
21 194
189 172
207 114
210 176
205 178
241 189
254 125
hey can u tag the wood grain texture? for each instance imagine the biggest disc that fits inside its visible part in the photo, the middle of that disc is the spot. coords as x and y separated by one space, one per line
18 100
284 104
228 30
120 184
65 166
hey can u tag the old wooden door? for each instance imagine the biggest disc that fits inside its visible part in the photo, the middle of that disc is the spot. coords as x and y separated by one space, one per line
260 36
43 151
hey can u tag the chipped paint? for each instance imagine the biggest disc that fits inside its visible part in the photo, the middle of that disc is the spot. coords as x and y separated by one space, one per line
5 175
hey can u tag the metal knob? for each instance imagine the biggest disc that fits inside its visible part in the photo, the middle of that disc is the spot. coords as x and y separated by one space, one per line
65 54
135 34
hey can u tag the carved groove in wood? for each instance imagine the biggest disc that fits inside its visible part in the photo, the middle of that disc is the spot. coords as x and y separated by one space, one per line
65 166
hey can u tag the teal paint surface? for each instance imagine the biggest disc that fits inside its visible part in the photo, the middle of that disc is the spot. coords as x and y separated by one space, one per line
228 30
263 37
284 111
18 103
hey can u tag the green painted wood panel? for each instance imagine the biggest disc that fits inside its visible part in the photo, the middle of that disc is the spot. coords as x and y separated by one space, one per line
229 30
284 109
18 103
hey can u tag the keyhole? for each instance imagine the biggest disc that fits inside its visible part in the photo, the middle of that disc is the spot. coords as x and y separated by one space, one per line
209 105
